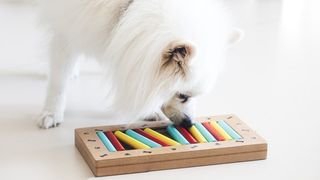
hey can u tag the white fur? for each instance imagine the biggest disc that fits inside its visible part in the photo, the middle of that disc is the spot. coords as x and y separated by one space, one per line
129 41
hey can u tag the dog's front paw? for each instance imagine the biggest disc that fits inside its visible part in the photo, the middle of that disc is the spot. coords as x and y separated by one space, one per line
49 120
154 117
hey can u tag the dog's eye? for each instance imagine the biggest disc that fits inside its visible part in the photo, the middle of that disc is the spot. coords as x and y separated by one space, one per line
181 50
184 98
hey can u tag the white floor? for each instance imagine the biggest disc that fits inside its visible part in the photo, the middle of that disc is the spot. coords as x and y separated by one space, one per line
272 81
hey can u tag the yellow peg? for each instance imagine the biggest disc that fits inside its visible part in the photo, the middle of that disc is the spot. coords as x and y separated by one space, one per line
161 137
197 135
130 141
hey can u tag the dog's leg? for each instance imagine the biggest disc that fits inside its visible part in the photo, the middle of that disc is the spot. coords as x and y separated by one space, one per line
62 65
179 109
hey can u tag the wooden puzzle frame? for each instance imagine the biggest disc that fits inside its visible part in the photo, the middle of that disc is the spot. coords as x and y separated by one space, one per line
104 163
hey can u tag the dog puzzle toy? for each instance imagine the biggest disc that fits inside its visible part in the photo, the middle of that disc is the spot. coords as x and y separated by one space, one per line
148 146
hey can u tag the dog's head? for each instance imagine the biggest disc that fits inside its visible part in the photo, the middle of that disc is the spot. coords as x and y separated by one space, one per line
191 71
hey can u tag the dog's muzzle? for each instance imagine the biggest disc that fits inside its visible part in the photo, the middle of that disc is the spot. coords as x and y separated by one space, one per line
186 122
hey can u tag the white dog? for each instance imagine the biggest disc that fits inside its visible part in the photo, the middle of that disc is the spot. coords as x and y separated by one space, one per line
159 54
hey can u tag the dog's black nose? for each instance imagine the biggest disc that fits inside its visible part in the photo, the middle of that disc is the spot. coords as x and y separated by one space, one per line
186 122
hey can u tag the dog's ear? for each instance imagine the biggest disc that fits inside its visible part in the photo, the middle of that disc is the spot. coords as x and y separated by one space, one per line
235 36
178 53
